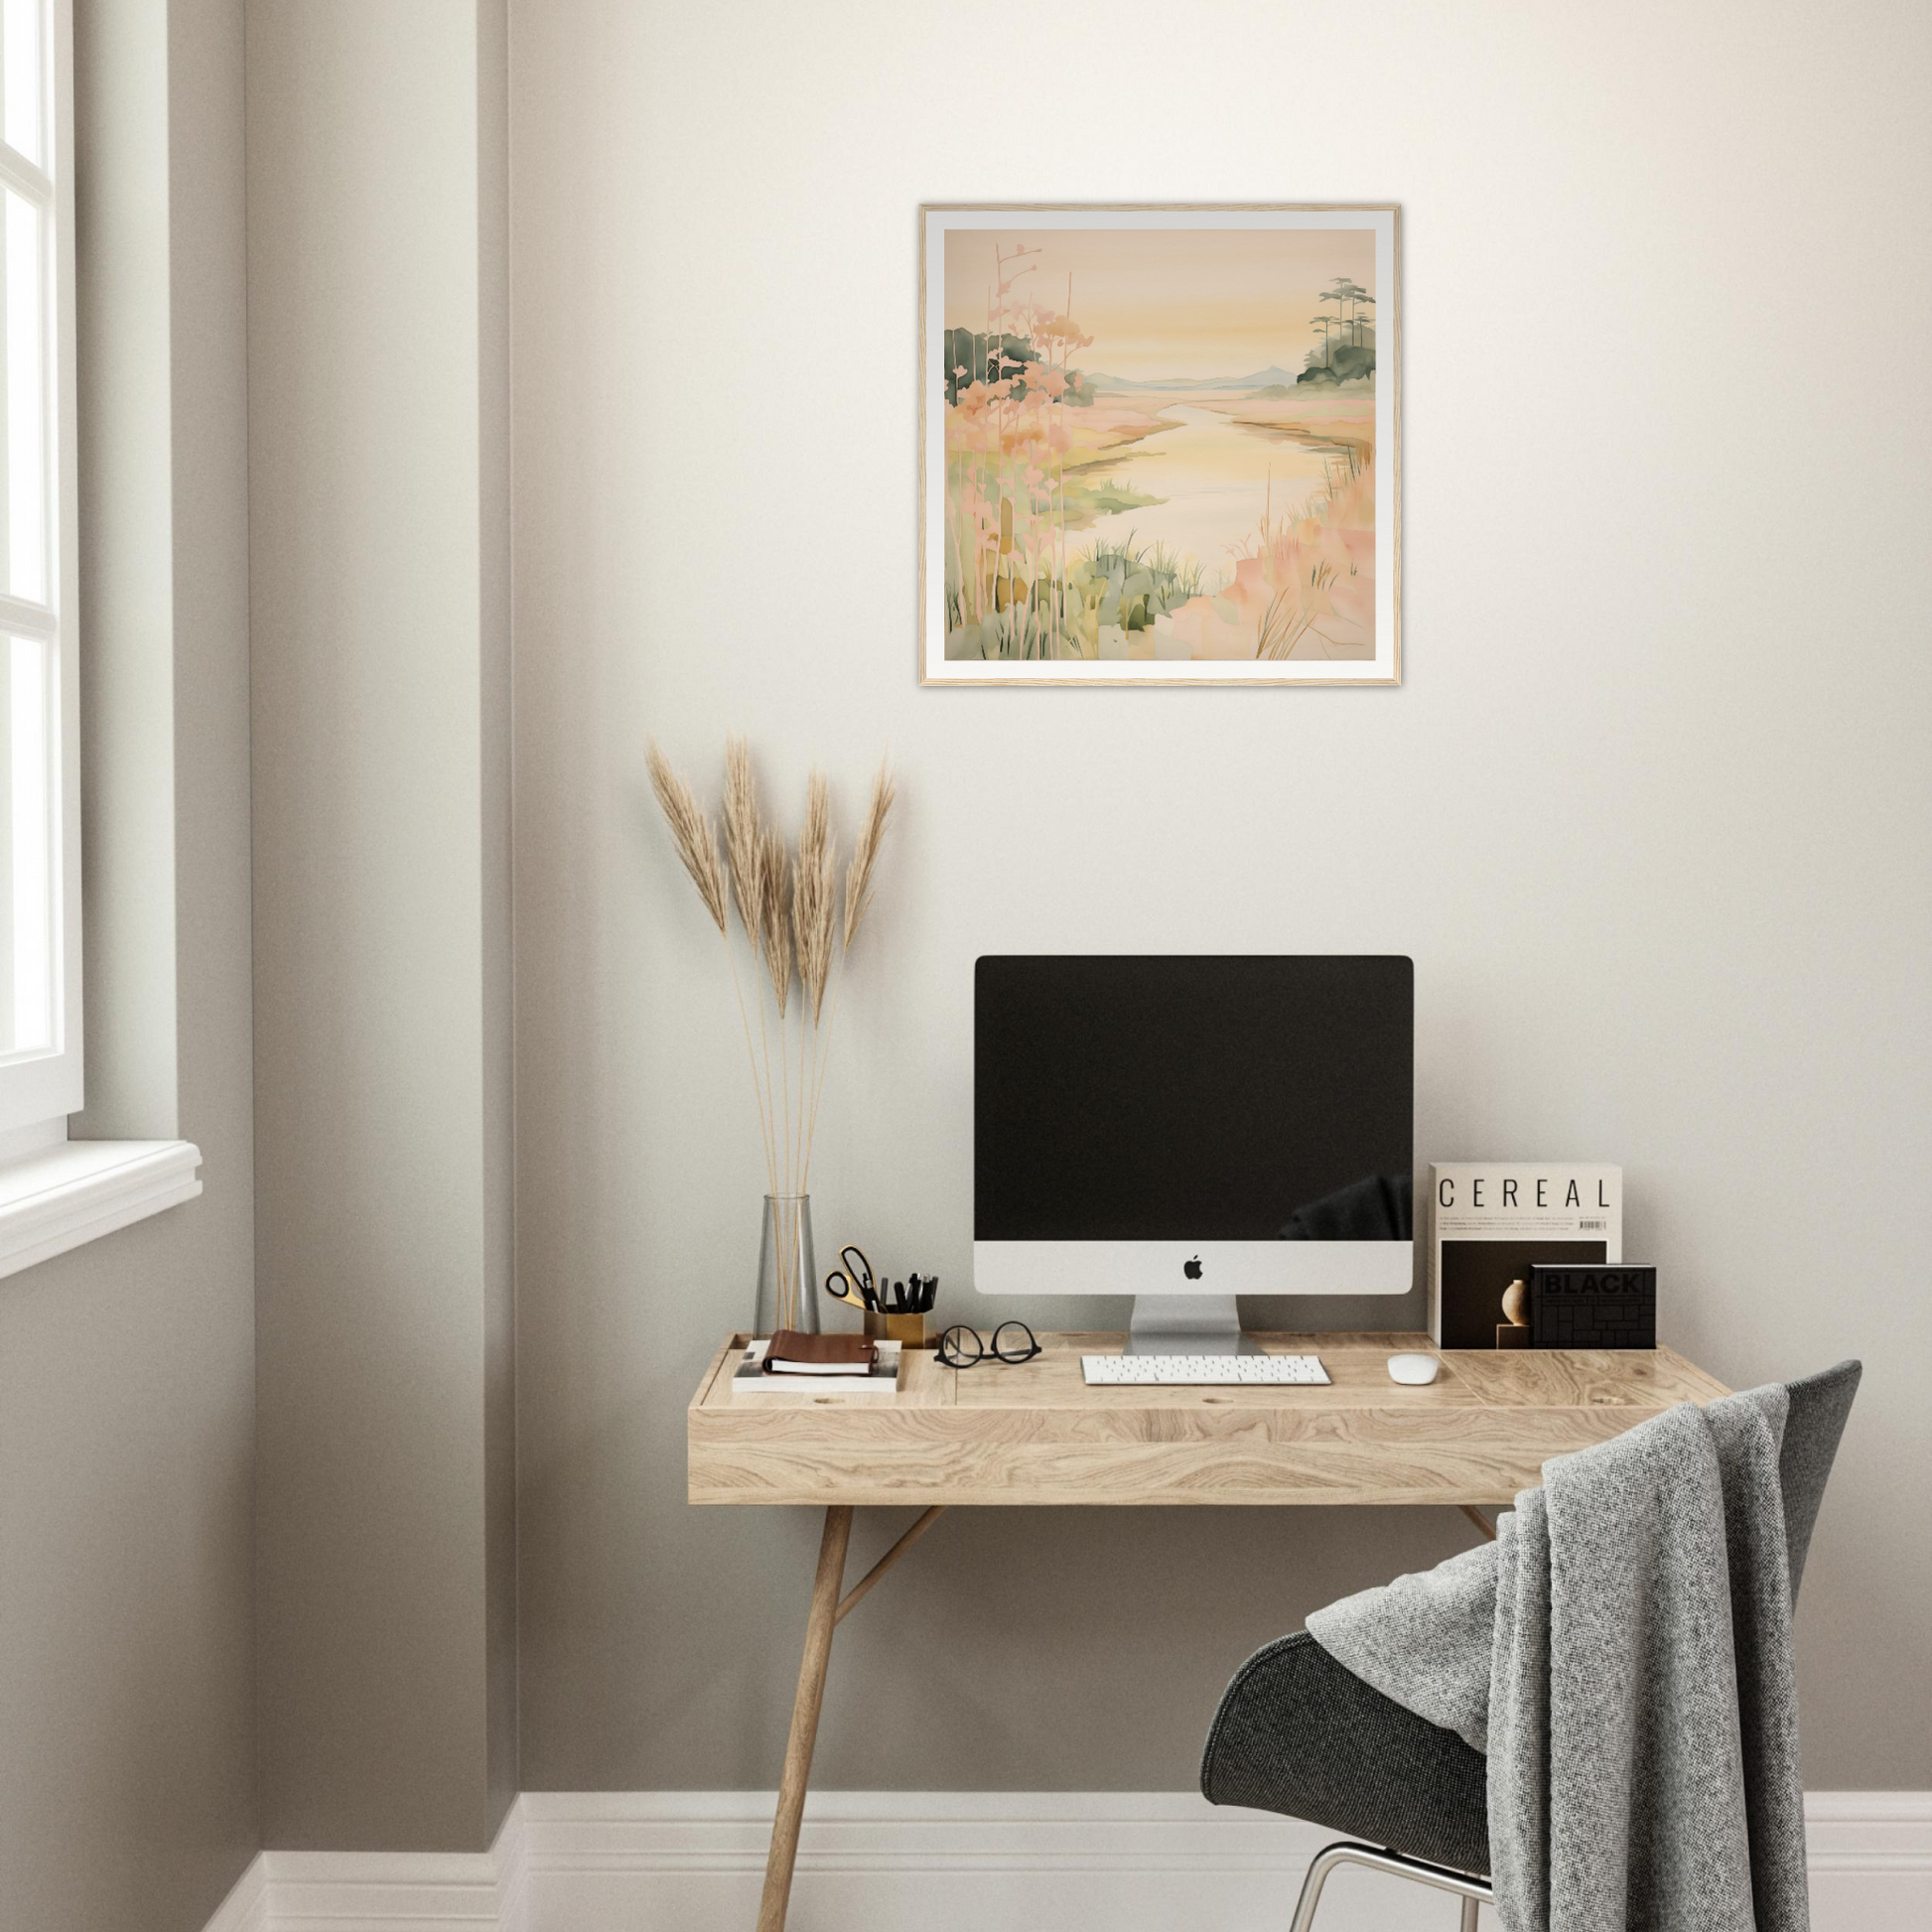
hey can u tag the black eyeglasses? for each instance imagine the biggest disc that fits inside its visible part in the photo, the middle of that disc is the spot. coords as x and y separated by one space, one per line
1012 1342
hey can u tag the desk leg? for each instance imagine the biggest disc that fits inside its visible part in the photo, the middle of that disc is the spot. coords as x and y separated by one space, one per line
804 1719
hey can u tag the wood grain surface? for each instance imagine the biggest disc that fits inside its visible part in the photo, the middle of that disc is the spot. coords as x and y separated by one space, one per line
1034 1433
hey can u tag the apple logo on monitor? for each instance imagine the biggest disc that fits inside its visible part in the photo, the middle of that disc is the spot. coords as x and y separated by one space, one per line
1191 1269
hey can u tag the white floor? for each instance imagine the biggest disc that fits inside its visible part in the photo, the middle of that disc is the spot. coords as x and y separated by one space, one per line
958 1861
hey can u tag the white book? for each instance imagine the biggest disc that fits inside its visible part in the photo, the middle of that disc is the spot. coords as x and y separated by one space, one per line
750 1378
1489 1220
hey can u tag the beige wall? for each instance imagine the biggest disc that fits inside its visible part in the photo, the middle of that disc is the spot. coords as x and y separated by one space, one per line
378 508
128 1776
1651 811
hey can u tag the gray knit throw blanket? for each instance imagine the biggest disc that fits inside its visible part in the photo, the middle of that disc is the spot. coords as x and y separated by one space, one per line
1622 1652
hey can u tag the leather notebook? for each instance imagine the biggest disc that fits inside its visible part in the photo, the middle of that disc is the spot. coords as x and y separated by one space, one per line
794 1353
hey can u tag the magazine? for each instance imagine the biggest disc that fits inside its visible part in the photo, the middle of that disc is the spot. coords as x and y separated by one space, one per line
1489 1221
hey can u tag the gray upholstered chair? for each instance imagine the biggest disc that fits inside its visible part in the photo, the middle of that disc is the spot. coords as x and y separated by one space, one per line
1299 1734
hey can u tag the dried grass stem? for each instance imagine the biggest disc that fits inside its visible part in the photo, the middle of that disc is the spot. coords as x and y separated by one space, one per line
789 914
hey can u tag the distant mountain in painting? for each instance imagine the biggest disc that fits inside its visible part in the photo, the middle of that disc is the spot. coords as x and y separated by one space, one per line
1259 380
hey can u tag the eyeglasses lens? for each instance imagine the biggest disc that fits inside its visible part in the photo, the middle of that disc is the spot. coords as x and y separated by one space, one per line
1012 1342
960 1347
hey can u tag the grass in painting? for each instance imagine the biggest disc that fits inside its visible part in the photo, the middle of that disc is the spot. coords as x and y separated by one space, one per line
1303 582
1122 589
1314 564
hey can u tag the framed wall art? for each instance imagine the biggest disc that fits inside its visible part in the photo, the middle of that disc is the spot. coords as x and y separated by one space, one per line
1158 445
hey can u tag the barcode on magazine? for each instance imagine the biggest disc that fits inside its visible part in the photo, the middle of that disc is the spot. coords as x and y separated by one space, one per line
1600 1225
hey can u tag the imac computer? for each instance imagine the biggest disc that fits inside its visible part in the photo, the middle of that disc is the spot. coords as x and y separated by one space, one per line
1186 1128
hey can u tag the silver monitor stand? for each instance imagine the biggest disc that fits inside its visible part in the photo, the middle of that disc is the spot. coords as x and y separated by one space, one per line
1186 1324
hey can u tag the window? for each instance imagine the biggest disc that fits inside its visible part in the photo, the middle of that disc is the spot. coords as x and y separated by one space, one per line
40 846
55 1193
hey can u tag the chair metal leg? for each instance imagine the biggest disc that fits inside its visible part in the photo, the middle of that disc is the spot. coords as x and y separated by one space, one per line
1472 1891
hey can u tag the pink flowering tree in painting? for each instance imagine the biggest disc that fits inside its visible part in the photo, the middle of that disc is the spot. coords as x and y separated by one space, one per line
1010 392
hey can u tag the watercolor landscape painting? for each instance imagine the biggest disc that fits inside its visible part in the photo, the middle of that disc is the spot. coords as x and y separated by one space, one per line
1159 446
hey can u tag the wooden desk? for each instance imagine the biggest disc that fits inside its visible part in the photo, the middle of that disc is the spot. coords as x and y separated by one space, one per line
1030 1434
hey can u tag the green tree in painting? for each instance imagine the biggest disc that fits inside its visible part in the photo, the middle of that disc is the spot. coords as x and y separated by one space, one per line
1347 350
1349 297
1337 293
981 357
1358 298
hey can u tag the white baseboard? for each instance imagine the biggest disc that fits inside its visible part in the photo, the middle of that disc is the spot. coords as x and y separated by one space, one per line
954 1862
246 1909
384 1891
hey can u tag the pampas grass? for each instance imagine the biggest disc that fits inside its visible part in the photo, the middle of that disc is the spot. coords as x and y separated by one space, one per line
814 894
798 937
864 852
774 918
691 833
742 844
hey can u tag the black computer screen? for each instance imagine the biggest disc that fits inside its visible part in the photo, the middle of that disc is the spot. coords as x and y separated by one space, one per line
1204 1098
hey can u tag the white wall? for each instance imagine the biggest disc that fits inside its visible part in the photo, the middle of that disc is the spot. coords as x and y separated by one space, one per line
1650 810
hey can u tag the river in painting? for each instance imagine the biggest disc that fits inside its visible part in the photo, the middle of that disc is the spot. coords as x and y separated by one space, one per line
1211 475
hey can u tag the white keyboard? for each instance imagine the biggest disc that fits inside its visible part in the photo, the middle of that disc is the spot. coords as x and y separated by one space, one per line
1201 1371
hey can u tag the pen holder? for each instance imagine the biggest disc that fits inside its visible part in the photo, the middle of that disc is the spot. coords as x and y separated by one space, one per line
906 1328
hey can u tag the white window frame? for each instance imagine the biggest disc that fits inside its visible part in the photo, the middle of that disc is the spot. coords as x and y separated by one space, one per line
55 1192
39 1089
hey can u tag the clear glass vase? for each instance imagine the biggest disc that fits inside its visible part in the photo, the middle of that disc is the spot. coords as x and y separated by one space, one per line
788 1270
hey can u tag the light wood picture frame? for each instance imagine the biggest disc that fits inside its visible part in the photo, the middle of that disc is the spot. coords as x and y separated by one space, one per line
1160 444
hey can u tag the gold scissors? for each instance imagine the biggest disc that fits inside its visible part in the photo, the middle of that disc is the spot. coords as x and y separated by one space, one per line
852 1281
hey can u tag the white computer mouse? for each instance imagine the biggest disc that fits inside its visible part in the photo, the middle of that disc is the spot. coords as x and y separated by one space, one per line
1414 1369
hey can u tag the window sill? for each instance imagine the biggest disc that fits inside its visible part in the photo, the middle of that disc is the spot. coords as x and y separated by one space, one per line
79 1190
